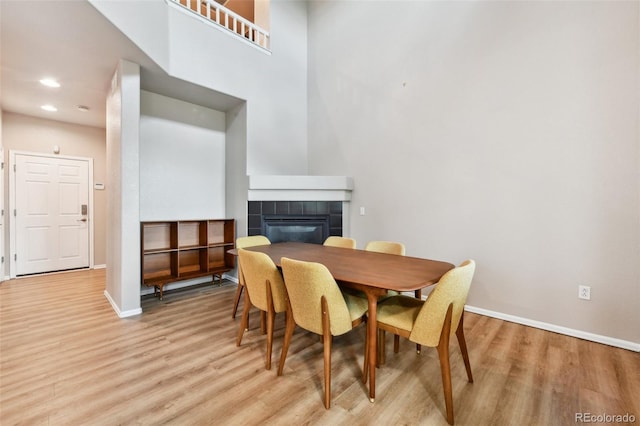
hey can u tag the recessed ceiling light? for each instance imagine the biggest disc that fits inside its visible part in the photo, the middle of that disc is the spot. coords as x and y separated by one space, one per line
83 108
49 82
50 108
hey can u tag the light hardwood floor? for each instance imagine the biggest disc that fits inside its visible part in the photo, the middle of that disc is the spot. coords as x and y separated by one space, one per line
67 359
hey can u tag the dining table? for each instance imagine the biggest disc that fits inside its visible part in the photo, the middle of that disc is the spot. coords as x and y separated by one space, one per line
372 273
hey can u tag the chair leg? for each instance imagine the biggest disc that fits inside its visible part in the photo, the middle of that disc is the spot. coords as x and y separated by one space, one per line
396 343
443 353
326 340
463 347
288 333
445 366
270 317
382 348
365 367
244 324
237 300
263 322
418 295
270 320
327 370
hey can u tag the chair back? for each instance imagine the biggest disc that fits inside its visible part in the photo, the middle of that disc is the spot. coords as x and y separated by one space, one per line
257 269
244 242
254 240
343 242
389 247
306 283
452 289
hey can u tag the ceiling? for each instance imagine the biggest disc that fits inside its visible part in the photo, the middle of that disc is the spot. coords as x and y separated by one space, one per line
73 43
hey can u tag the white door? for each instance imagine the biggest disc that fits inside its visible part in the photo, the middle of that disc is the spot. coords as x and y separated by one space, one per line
51 214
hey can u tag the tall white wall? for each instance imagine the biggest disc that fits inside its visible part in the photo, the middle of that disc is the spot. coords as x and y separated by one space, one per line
506 132
182 160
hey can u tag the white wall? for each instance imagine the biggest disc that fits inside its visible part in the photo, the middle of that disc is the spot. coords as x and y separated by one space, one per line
182 160
506 132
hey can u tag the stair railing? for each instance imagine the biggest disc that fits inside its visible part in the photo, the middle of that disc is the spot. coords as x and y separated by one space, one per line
228 19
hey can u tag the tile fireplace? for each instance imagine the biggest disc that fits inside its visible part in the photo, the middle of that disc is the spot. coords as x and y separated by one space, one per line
298 208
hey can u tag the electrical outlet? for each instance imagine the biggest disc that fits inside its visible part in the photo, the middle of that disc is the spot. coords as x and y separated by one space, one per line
584 292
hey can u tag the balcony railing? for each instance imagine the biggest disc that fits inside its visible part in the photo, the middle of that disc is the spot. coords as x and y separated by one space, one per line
227 19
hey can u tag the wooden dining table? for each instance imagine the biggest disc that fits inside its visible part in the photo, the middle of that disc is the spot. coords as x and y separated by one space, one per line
370 272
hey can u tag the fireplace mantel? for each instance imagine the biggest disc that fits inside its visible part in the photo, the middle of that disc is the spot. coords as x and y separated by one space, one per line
300 188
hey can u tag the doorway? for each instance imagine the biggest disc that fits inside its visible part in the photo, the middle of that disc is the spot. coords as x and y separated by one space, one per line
51 213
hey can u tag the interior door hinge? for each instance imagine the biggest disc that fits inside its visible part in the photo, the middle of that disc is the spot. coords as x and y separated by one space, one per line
14 168
2 261
15 257
15 213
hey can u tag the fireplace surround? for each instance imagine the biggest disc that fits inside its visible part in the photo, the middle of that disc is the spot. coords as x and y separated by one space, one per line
299 208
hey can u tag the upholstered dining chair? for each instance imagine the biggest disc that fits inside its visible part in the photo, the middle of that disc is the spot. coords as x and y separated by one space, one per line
243 242
343 242
433 322
265 290
389 247
317 305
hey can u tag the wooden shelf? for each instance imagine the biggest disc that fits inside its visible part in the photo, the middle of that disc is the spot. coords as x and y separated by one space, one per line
179 250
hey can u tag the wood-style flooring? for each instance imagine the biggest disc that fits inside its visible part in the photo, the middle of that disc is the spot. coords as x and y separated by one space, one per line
67 359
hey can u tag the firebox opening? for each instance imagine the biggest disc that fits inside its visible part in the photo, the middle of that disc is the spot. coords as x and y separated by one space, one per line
303 229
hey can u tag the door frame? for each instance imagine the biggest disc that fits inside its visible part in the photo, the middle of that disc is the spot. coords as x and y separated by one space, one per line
3 221
12 203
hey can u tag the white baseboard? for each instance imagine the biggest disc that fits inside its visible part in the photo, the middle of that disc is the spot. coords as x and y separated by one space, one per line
619 343
121 314
230 278
99 266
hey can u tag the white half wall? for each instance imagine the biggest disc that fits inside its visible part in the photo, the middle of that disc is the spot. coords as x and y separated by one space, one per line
123 200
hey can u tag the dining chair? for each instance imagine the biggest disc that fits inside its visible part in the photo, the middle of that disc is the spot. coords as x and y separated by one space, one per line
433 322
316 304
265 290
243 242
389 247
343 242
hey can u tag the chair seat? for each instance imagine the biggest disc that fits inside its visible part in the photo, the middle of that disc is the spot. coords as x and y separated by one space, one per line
357 306
399 311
